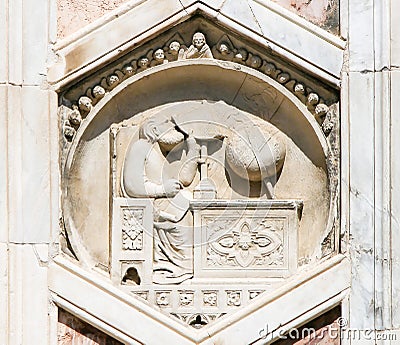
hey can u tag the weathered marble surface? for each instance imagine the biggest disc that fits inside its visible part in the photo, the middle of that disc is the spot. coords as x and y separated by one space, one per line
324 330
75 15
232 135
29 169
324 13
72 331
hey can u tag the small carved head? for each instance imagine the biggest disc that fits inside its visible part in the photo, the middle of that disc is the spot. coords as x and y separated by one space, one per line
321 110
283 78
159 55
199 40
74 116
299 88
143 62
255 61
224 48
241 54
312 98
98 91
128 70
113 80
85 104
270 68
174 47
69 132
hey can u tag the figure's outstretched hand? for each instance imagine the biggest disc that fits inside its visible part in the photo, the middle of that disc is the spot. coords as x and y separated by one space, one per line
172 187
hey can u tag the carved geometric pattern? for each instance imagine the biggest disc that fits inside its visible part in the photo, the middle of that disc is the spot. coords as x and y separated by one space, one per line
246 245
142 294
210 298
132 229
186 298
255 293
198 320
163 298
234 298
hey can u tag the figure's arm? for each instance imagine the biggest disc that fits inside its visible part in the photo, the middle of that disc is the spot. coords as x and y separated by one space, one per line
208 54
189 168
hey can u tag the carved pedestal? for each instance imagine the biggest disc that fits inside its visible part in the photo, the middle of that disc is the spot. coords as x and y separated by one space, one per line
241 249
132 241
245 238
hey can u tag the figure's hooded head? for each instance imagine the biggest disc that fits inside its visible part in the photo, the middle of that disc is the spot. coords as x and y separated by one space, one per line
162 131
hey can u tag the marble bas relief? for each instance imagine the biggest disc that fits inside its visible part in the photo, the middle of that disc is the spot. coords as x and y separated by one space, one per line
208 201
176 50
171 162
194 200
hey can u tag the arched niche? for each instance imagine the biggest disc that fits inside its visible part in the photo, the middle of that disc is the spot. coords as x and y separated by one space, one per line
86 173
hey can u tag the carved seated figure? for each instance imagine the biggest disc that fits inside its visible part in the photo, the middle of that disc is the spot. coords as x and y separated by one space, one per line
199 48
161 165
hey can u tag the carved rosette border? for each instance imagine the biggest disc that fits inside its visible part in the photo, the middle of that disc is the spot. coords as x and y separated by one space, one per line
168 53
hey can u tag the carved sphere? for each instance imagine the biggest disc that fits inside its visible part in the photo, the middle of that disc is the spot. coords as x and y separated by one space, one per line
245 162
269 68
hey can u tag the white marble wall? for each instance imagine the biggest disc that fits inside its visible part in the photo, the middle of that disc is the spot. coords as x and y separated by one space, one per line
370 128
28 169
29 186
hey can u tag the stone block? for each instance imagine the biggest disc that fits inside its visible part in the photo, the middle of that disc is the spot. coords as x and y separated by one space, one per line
30 165
127 27
308 42
361 42
395 205
241 238
4 293
395 33
15 42
35 41
3 42
241 12
3 166
28 294
362 158
131 243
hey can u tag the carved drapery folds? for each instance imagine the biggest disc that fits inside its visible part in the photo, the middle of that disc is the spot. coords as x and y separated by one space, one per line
199 194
